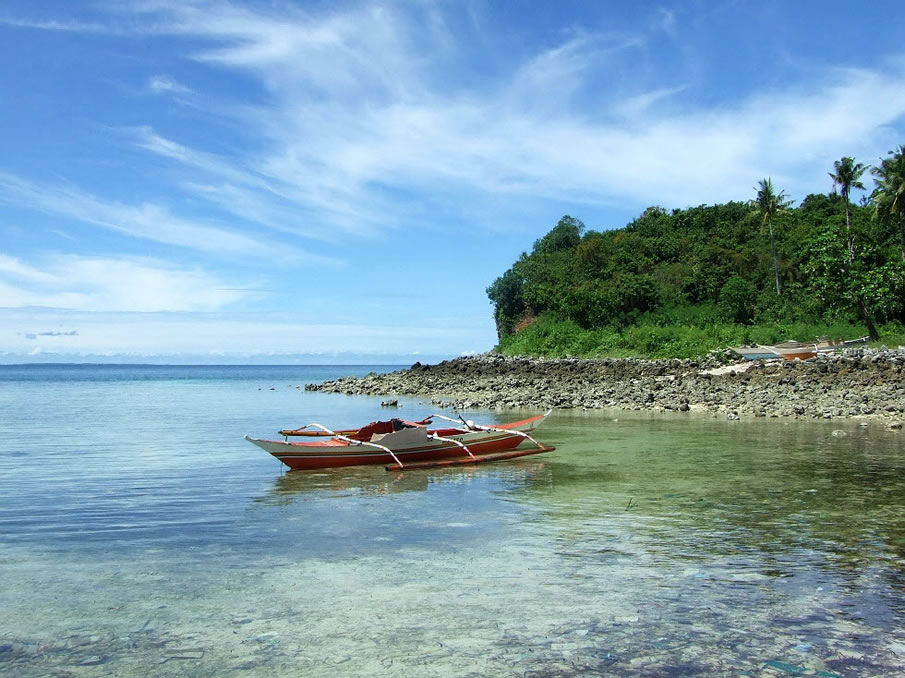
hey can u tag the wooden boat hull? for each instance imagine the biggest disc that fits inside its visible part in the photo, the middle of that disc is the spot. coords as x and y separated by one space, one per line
409 445
798 354
792 350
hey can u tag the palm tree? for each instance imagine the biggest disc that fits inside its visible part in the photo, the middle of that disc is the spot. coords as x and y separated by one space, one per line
847 176
769 204
889 195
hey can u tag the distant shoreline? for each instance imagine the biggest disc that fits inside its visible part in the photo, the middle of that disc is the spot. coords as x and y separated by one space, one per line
861 383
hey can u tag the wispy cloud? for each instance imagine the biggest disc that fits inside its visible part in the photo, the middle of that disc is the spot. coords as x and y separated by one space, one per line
162 84
250 193
146 220
360 109
112 284
632 107
666 21
331 127
55 25
366 109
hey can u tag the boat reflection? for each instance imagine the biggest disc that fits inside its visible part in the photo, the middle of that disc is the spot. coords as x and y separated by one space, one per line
374 481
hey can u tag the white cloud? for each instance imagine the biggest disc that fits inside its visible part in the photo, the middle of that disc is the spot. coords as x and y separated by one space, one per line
62 26
364 119
666 21
111 284
146 220
367 107
640 104
162 84
254 195
14 268
357 107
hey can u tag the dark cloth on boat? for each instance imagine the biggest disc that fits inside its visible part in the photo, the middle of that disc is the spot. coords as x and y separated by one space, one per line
381 427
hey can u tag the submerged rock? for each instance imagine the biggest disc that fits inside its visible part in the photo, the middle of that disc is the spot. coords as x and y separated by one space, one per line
92 660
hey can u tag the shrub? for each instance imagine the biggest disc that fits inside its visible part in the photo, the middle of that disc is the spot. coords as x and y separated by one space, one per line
737 300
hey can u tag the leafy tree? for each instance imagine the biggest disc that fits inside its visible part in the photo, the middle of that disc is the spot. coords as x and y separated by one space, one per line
506 295
821 205
616 302
889 195
547 277
594 254
565 236
538 281
847 176
769 204
687 280
737 299
884 288
869 288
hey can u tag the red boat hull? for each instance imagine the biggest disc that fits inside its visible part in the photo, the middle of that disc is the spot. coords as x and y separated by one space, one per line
333 453
309 460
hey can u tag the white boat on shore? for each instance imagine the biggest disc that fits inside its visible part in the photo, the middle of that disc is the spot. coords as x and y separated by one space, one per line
791 349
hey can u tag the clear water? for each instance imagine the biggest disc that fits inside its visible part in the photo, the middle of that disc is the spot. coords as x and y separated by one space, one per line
141 535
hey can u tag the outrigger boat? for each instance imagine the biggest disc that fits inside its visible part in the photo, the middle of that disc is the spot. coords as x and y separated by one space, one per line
399 444
790 350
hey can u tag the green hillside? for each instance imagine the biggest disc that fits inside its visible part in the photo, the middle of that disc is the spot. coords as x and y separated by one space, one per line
680 283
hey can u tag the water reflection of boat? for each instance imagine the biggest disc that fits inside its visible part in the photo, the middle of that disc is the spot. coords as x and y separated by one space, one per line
402 444
368 481
344 482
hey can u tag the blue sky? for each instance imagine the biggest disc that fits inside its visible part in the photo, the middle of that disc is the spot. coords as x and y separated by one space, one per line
332 182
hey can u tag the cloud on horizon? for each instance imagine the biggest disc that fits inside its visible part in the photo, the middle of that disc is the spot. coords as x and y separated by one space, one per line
35 335
210 334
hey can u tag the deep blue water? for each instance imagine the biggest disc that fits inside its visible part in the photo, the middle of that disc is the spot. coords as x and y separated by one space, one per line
56 372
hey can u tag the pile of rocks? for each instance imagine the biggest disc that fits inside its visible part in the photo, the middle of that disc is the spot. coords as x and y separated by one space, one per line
855 383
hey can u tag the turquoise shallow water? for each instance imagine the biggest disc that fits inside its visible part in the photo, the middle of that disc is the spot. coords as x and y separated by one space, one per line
140 535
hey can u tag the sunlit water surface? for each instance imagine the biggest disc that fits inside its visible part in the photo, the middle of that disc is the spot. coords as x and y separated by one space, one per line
141 535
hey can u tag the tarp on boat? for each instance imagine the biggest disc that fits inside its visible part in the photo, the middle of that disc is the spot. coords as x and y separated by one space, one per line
367 432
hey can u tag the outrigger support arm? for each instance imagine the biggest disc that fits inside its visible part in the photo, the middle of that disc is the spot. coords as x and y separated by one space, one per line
434 436
295 431
352 441
478 427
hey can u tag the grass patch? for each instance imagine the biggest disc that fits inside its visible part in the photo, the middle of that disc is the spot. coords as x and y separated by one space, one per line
553 337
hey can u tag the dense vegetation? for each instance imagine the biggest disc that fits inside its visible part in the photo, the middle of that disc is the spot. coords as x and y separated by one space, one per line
680 283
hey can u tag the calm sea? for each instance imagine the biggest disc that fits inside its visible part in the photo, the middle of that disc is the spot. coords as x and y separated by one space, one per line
141 535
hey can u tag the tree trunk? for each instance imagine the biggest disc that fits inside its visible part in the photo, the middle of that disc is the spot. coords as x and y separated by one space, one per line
848 230
775 260
902 233
871 330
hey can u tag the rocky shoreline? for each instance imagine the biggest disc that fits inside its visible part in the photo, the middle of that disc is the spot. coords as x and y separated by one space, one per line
859 383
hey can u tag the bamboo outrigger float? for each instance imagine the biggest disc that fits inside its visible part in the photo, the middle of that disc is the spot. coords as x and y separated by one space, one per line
400 445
